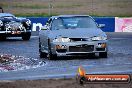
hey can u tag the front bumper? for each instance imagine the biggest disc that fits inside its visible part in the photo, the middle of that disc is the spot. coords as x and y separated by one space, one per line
14 33
78 48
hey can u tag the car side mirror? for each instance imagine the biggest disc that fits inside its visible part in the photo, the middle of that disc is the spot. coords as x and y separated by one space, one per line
101 25
44 27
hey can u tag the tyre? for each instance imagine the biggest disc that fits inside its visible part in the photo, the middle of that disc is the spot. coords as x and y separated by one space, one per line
52 56
103 54
26 36
2 38
41 54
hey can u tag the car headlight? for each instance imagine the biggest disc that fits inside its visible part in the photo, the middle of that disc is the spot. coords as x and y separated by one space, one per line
61 40
28 22
99 38
8 27
1 23
21 27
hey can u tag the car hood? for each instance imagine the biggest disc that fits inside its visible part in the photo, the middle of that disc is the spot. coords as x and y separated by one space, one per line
5 20
77 33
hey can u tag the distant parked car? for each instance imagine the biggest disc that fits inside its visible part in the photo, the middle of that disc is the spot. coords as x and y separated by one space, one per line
11 26
72 35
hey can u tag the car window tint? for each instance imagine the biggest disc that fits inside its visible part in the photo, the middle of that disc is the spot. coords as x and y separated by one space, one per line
57 24
49 21
79 22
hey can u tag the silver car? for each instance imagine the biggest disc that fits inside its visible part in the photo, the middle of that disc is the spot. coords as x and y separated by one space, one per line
72 35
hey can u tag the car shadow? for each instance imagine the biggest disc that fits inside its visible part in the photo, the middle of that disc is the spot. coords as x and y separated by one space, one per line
12 40
77 57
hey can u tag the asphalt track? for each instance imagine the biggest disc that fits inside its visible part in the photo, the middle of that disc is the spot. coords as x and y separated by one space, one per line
119 59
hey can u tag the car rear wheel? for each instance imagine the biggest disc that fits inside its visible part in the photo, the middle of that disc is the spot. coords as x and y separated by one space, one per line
103 54
26 36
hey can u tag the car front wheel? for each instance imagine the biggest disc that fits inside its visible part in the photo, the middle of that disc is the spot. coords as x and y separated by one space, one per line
41 54
52 56
2 38
26 36
103 54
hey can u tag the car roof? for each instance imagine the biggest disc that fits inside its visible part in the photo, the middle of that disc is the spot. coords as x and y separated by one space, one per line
53 17
5 14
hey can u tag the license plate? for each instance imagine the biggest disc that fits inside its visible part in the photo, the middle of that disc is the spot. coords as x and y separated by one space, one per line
16 32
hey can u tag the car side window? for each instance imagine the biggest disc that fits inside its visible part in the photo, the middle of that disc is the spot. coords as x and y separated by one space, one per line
48 22
57 24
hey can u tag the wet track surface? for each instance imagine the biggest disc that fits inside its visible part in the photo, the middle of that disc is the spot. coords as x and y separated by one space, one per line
119 59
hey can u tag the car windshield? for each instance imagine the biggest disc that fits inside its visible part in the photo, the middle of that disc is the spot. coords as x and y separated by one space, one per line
73 23
4 15
8 17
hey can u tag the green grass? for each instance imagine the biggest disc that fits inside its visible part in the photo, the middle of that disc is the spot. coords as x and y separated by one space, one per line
54 14
34 15
111 15
120 5
3 5
68 5
30 6
39 8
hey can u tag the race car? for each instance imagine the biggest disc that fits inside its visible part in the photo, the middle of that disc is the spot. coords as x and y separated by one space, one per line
72 35
11 26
